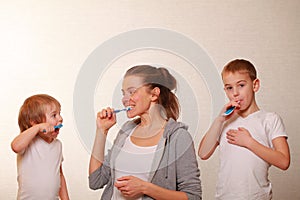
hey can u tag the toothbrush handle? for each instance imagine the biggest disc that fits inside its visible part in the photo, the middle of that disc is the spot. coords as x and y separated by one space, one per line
58 126
55 127
117 111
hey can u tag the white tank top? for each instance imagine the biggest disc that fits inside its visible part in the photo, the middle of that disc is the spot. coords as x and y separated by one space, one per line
135 161
39 170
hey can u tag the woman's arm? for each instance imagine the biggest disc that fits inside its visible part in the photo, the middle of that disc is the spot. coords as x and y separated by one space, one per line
105 120
97 156
160 193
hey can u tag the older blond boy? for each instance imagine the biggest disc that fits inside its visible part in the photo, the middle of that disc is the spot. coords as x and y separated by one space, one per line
250 140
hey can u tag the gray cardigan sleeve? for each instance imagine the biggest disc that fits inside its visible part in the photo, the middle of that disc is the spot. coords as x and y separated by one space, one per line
178 169
188 173
101 176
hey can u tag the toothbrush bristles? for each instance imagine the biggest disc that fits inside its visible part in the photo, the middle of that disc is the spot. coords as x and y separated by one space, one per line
128 108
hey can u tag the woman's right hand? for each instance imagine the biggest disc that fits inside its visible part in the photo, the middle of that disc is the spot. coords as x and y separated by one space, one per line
105 119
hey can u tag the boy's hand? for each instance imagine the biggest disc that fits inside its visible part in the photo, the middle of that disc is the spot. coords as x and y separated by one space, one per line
227 106
45 128
240 137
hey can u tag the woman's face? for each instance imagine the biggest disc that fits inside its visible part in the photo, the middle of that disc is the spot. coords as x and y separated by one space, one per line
136 95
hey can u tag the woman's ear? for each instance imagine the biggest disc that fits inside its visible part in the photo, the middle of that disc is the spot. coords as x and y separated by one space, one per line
256 85
155 93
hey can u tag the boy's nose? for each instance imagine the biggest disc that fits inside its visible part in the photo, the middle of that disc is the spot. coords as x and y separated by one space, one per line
60 118
235 92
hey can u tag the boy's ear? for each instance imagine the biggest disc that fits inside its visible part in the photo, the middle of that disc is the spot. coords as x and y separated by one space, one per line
155 93
256 85
32 122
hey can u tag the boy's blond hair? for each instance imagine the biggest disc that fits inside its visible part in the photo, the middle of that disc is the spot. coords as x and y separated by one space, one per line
33 110
242 66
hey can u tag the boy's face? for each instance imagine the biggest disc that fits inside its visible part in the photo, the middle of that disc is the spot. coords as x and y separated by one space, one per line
53 118
240 88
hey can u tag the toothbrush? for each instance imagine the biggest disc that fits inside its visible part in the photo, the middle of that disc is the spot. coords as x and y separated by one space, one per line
124 109
58 126
228 111
55 127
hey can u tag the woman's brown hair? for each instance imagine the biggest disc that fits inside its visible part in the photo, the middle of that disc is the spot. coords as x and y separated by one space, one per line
161 78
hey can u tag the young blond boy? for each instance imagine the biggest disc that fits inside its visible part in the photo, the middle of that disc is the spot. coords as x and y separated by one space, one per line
39 153
250 140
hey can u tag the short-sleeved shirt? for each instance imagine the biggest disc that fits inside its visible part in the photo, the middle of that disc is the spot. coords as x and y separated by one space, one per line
39 170
242 174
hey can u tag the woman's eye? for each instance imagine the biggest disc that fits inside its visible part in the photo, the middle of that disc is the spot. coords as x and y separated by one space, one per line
228 88
131 92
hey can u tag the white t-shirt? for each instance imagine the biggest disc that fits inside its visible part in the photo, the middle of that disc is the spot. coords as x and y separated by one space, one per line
135 161
39 170
242 174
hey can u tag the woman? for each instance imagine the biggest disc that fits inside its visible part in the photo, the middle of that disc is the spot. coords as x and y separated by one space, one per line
153 156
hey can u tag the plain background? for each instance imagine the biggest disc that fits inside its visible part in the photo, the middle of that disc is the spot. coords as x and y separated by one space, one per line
43 45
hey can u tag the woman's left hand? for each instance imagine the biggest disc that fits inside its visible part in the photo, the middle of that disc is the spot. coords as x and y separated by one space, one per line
130 186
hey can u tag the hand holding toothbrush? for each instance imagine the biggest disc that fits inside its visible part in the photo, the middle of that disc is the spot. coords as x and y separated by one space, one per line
230 107
106 118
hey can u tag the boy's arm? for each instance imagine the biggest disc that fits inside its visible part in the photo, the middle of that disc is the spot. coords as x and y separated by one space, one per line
20 142
210 142
63 191
279 156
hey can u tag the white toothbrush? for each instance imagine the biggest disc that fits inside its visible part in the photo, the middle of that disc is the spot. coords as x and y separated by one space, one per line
124 109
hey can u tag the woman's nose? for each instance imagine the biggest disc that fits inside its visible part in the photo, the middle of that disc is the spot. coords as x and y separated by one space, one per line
125 100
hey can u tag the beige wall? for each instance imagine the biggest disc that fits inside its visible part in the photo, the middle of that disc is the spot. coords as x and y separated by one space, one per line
43 45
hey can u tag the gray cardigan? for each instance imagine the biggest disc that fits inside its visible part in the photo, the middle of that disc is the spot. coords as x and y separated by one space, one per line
174 166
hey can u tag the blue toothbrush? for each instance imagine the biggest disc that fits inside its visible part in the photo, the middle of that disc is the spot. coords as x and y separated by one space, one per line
55 127
58 126
229 111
